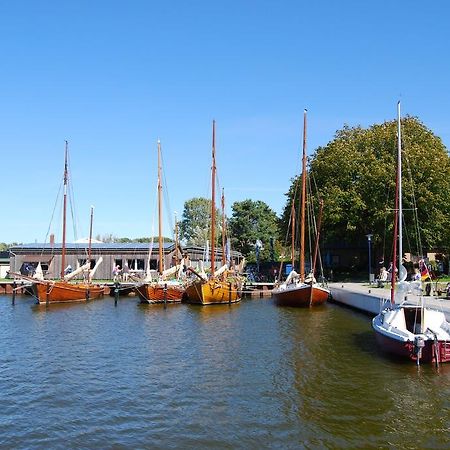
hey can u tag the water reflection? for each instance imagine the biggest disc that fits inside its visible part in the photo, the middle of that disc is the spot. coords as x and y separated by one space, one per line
248 375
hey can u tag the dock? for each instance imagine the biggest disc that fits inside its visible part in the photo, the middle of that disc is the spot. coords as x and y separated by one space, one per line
257 289
372 300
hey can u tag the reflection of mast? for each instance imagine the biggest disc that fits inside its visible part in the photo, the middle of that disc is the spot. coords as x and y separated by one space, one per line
303 204
63 250
224 256
213 199
160 239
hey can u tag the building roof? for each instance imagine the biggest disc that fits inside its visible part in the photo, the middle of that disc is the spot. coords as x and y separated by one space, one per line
127 246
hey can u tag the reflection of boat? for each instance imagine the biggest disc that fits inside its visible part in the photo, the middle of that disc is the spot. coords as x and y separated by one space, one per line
299 290
221 286
410 330
161 290
49 291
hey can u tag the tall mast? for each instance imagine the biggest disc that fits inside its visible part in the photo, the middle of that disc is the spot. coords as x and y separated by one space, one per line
293 235
398 211
90 239
160 239
400 201
213 199
66 176
303 204
224 231
176 240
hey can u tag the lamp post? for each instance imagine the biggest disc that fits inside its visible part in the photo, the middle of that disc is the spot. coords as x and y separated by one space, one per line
369 241
258 248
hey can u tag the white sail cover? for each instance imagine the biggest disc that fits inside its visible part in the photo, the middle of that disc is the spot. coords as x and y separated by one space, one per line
76 272
39 274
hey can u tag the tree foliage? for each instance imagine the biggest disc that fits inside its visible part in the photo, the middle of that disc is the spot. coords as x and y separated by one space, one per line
355 176
252 220
196 220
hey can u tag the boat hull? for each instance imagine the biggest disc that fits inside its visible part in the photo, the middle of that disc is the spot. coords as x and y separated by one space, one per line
213 292
406 350
157 293
303 296
62 292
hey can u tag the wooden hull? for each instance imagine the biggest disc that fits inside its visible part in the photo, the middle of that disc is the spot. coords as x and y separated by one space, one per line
406 349
62 292
213 292
302 296
160 293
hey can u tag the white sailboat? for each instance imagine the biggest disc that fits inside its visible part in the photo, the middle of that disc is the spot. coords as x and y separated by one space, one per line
410 329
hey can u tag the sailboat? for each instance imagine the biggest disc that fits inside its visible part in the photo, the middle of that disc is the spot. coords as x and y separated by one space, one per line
161 290
406 329
299 290
220 286
54 291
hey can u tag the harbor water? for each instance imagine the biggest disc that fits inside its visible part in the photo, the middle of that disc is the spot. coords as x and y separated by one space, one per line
250 375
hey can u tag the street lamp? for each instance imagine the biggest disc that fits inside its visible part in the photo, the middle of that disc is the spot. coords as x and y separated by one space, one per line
258 248
369 241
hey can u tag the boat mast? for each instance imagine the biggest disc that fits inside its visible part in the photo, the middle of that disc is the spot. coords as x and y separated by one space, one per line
63 249
213 200
160 239
176 240
303 204
316 249
293 235
397 210
90 242
400 201
224 256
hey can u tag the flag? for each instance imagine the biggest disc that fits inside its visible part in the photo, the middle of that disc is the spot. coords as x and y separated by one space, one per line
424 273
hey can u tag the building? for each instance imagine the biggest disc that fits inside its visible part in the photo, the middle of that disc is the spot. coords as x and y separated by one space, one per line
25 258
4 264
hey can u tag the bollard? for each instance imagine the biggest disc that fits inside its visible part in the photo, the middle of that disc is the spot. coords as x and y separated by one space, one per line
14 293
116 293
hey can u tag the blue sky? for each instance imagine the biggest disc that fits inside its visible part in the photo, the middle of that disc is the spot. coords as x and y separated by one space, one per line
113 76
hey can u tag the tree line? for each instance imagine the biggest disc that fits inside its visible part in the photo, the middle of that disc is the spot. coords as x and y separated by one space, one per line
354 174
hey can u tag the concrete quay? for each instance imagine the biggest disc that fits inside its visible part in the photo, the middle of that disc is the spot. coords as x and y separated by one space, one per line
372 299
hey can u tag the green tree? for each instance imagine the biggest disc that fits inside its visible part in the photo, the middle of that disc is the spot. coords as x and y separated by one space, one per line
196 220
252 220
355 176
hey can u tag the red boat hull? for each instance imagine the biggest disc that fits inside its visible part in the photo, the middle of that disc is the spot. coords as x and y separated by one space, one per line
302 297
406 349
157 293
62 292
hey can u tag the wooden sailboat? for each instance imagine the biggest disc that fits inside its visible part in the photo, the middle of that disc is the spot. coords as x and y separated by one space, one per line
219 287
49 291
407 329
161 290
299 290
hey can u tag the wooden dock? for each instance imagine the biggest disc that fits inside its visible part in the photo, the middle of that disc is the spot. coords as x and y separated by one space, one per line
20 287
257 289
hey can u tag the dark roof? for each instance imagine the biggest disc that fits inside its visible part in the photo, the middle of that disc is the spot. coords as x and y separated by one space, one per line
95 246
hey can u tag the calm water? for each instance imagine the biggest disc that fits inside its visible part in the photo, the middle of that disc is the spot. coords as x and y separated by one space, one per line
247 376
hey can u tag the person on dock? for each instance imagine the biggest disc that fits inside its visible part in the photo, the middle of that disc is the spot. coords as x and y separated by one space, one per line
126 272
116 273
